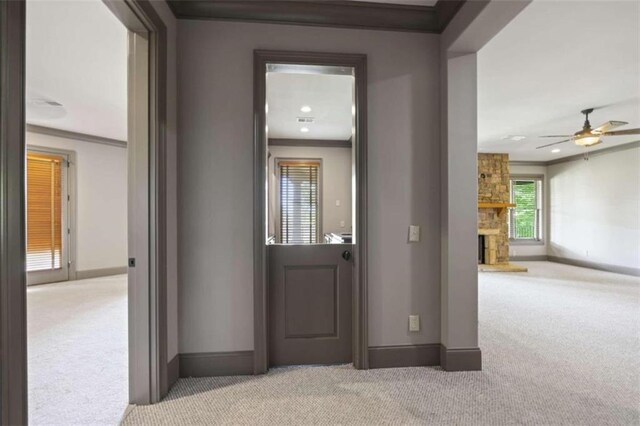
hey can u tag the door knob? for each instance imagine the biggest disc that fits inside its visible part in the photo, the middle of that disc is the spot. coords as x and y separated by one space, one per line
346 255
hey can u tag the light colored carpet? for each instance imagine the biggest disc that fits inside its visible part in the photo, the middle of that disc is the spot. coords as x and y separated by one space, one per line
560 345
77 350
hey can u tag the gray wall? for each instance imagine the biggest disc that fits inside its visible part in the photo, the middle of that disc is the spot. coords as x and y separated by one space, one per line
335 186
215 82
595 208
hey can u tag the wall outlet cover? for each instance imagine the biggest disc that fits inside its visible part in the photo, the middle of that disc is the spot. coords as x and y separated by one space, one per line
414 233
414 322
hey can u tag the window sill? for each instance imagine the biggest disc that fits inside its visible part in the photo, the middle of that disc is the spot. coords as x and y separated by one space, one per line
526 242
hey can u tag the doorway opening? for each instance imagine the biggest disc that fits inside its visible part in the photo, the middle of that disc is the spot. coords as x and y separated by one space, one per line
310 221
146 114
76 136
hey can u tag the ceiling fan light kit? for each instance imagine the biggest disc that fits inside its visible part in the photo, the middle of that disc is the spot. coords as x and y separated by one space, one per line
590 137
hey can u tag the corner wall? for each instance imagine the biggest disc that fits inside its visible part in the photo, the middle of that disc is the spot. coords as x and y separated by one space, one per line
595 209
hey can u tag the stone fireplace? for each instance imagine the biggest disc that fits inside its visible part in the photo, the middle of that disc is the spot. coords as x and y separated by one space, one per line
493 206
493 202
488 246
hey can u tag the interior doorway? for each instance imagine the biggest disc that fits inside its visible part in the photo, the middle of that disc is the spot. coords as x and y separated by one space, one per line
76 135
146 265
310 230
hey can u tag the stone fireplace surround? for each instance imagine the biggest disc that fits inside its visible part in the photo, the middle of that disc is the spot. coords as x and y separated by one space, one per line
490 245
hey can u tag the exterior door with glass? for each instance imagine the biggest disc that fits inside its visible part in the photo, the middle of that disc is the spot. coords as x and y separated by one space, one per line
47 218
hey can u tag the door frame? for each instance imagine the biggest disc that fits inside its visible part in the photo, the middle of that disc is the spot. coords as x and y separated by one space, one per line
150 383
260 278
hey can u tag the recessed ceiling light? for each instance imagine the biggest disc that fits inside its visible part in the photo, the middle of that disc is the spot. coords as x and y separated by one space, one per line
304 129
305 108
555 151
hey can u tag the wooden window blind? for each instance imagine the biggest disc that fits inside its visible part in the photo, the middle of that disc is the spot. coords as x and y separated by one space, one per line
44 212
299 202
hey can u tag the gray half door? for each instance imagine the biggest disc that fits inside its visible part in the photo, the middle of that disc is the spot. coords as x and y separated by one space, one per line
310 293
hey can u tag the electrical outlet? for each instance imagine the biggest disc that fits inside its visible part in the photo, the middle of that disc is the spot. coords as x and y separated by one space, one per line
414 322
414 233
337 203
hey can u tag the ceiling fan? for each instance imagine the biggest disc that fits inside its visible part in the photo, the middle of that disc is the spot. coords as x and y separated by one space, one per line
588 136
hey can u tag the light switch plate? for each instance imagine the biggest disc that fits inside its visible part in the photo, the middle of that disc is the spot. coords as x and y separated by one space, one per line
414 322
414 233
342 224
337 203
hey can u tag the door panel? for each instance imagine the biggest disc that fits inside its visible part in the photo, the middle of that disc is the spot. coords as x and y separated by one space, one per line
310 294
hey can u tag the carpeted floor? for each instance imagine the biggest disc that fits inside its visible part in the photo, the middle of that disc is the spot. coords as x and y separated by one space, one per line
77 350
560 345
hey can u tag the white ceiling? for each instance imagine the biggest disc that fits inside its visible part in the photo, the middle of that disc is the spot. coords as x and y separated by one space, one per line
549 63
77 56
406 2
329 96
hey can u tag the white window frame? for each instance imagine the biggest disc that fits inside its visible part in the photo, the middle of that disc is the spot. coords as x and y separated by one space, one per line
538 239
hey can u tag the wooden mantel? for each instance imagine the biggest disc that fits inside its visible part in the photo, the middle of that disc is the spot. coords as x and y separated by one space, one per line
501 207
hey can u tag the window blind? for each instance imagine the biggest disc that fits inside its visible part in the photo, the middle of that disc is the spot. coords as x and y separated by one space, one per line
299 207
44 212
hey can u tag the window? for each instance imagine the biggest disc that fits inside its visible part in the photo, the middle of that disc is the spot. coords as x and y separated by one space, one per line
525 220
299 201
44 212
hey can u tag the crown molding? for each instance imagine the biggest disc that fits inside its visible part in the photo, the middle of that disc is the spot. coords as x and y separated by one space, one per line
67 134
343 14
577 157
609 150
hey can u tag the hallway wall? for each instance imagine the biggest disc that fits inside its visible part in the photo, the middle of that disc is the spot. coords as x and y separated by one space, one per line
215 113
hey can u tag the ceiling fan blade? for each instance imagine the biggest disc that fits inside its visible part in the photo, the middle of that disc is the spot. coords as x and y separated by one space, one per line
555 143
556 136
609 125
622 132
